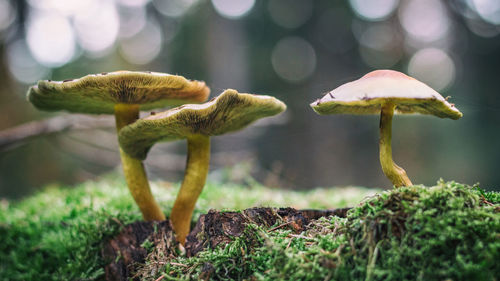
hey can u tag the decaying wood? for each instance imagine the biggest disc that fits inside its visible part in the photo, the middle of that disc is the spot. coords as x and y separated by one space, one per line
217 227
127 249
124 251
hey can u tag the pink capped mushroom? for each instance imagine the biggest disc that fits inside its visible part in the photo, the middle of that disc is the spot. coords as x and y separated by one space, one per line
386 92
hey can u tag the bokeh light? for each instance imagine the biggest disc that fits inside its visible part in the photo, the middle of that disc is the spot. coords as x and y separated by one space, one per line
488 10
62 7
50 38
133 3
232 9
373 10
143 47
293 59
433 67
380 44
481 28
173 8
131 21
7 15
290 13
170 29
22 65
424 20
379 37
97 27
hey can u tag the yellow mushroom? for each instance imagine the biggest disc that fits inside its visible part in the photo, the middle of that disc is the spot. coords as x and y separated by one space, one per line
228 112
122 93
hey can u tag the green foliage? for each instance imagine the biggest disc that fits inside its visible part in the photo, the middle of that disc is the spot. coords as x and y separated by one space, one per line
448 231
235 261
445 232
148 245
58 233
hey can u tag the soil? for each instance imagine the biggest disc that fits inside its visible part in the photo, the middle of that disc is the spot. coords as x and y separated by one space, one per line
130 247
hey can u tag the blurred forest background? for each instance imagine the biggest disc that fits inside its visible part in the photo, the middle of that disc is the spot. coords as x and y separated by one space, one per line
292 49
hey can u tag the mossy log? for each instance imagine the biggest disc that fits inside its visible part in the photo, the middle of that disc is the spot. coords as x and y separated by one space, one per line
130 247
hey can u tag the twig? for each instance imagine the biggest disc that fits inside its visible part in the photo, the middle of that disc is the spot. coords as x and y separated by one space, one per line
280 226
289 243
486 201
117 221
301 236
179 264
15 136
160 278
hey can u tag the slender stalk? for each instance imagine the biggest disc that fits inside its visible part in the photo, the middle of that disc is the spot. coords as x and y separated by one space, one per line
198 160
133 169
396 174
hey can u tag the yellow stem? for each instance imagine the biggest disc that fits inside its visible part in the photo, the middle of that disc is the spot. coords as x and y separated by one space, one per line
198 160
133 169
396 174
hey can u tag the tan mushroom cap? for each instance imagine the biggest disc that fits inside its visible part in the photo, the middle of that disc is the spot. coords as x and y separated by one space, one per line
98 93
367 94
228 112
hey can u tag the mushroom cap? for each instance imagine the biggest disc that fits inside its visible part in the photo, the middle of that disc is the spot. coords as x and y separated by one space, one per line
98 93
367 94
230 111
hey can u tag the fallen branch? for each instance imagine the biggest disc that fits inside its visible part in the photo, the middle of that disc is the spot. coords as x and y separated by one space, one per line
19 135
280 226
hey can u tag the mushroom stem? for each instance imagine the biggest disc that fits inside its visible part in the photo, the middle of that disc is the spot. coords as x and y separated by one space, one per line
198 160
133 169
396 174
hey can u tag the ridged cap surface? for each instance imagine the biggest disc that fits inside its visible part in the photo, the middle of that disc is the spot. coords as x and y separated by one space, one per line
230 111
98 93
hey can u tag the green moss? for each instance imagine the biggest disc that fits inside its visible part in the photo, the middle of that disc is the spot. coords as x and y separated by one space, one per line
448 231
57 234
445 232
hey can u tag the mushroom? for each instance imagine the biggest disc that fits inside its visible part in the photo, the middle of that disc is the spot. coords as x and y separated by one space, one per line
386 92
122 93
228 112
